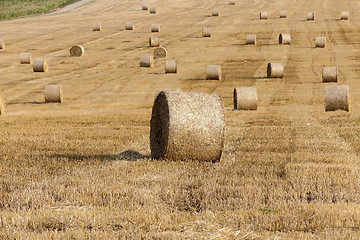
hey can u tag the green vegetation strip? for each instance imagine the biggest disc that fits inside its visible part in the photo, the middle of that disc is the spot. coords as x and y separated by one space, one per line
17 8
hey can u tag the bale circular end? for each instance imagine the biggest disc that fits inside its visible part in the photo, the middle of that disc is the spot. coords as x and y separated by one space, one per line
320 42
250 39
25 58
160 52
337 98
245 98
213 72
275 70
344 16
153 10
283 14
2 44
53 93
154 42
310 16
96 27
170 66
263 15
215 12
40 65
206 32
187 126
129 25
231 2
155 27
285 38
146 61
329 74
77 51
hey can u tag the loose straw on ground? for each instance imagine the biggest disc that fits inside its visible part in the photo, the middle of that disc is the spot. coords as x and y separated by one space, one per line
337 98
245 98
53 93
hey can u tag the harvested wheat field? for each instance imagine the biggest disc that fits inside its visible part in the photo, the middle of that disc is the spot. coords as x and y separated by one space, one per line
82 168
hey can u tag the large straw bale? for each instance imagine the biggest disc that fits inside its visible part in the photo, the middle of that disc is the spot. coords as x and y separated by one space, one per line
160 52
146 61
206 32
263 15
96 27
144 6
40 65
231 2
129 25
245 98
77 51
170 66
155 27
337 98
187 126
25 58
275 70
250 39
154 42
2 44
213 72
310 16
53 93
320 42
283 14
215 12
329 74
285 38
344 16
153 10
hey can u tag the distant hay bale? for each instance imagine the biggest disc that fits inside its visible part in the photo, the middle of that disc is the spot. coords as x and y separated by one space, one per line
144 6
40 65
170 66
153 10
215 12
2 104
187 126
25 58
337 98
154 42
245 98
285 38
206 32
77 51
53 93
320 42
283 14
329 74
155 27
213 72
275 70
160 52
146 61
129 25
310 16
96 27
231 2
2 44
344 16
250 39
263 15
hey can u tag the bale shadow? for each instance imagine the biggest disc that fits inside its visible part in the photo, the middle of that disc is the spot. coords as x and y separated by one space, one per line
18 103
196 79
127 155
131 155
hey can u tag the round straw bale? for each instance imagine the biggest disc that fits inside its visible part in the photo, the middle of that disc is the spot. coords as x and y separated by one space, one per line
77 51
283 14
40 65
337 98
154 42
146 61
215 12
2 104
2 44
344 16
213 72
245 98
155 27
320 42
170 66
129 25
231 2
153 10
144 6
275 70
96 27
250 39
329 74
53 93
263 15
25 58
206 32
310 16
187 126
160 52
285 38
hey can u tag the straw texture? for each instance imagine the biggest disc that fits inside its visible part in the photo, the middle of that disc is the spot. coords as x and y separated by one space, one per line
215 12
245 98
155 27
146 61
77 51
154 42
153 10
285 38
263 15
310 16
337 98
96 27
129 25
283 14
231 2
2 44
160 52
344 16
275 70
213 72
320 42
329 74
250 39
53 93
25 58
170 66
187 126
206 32
40 65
